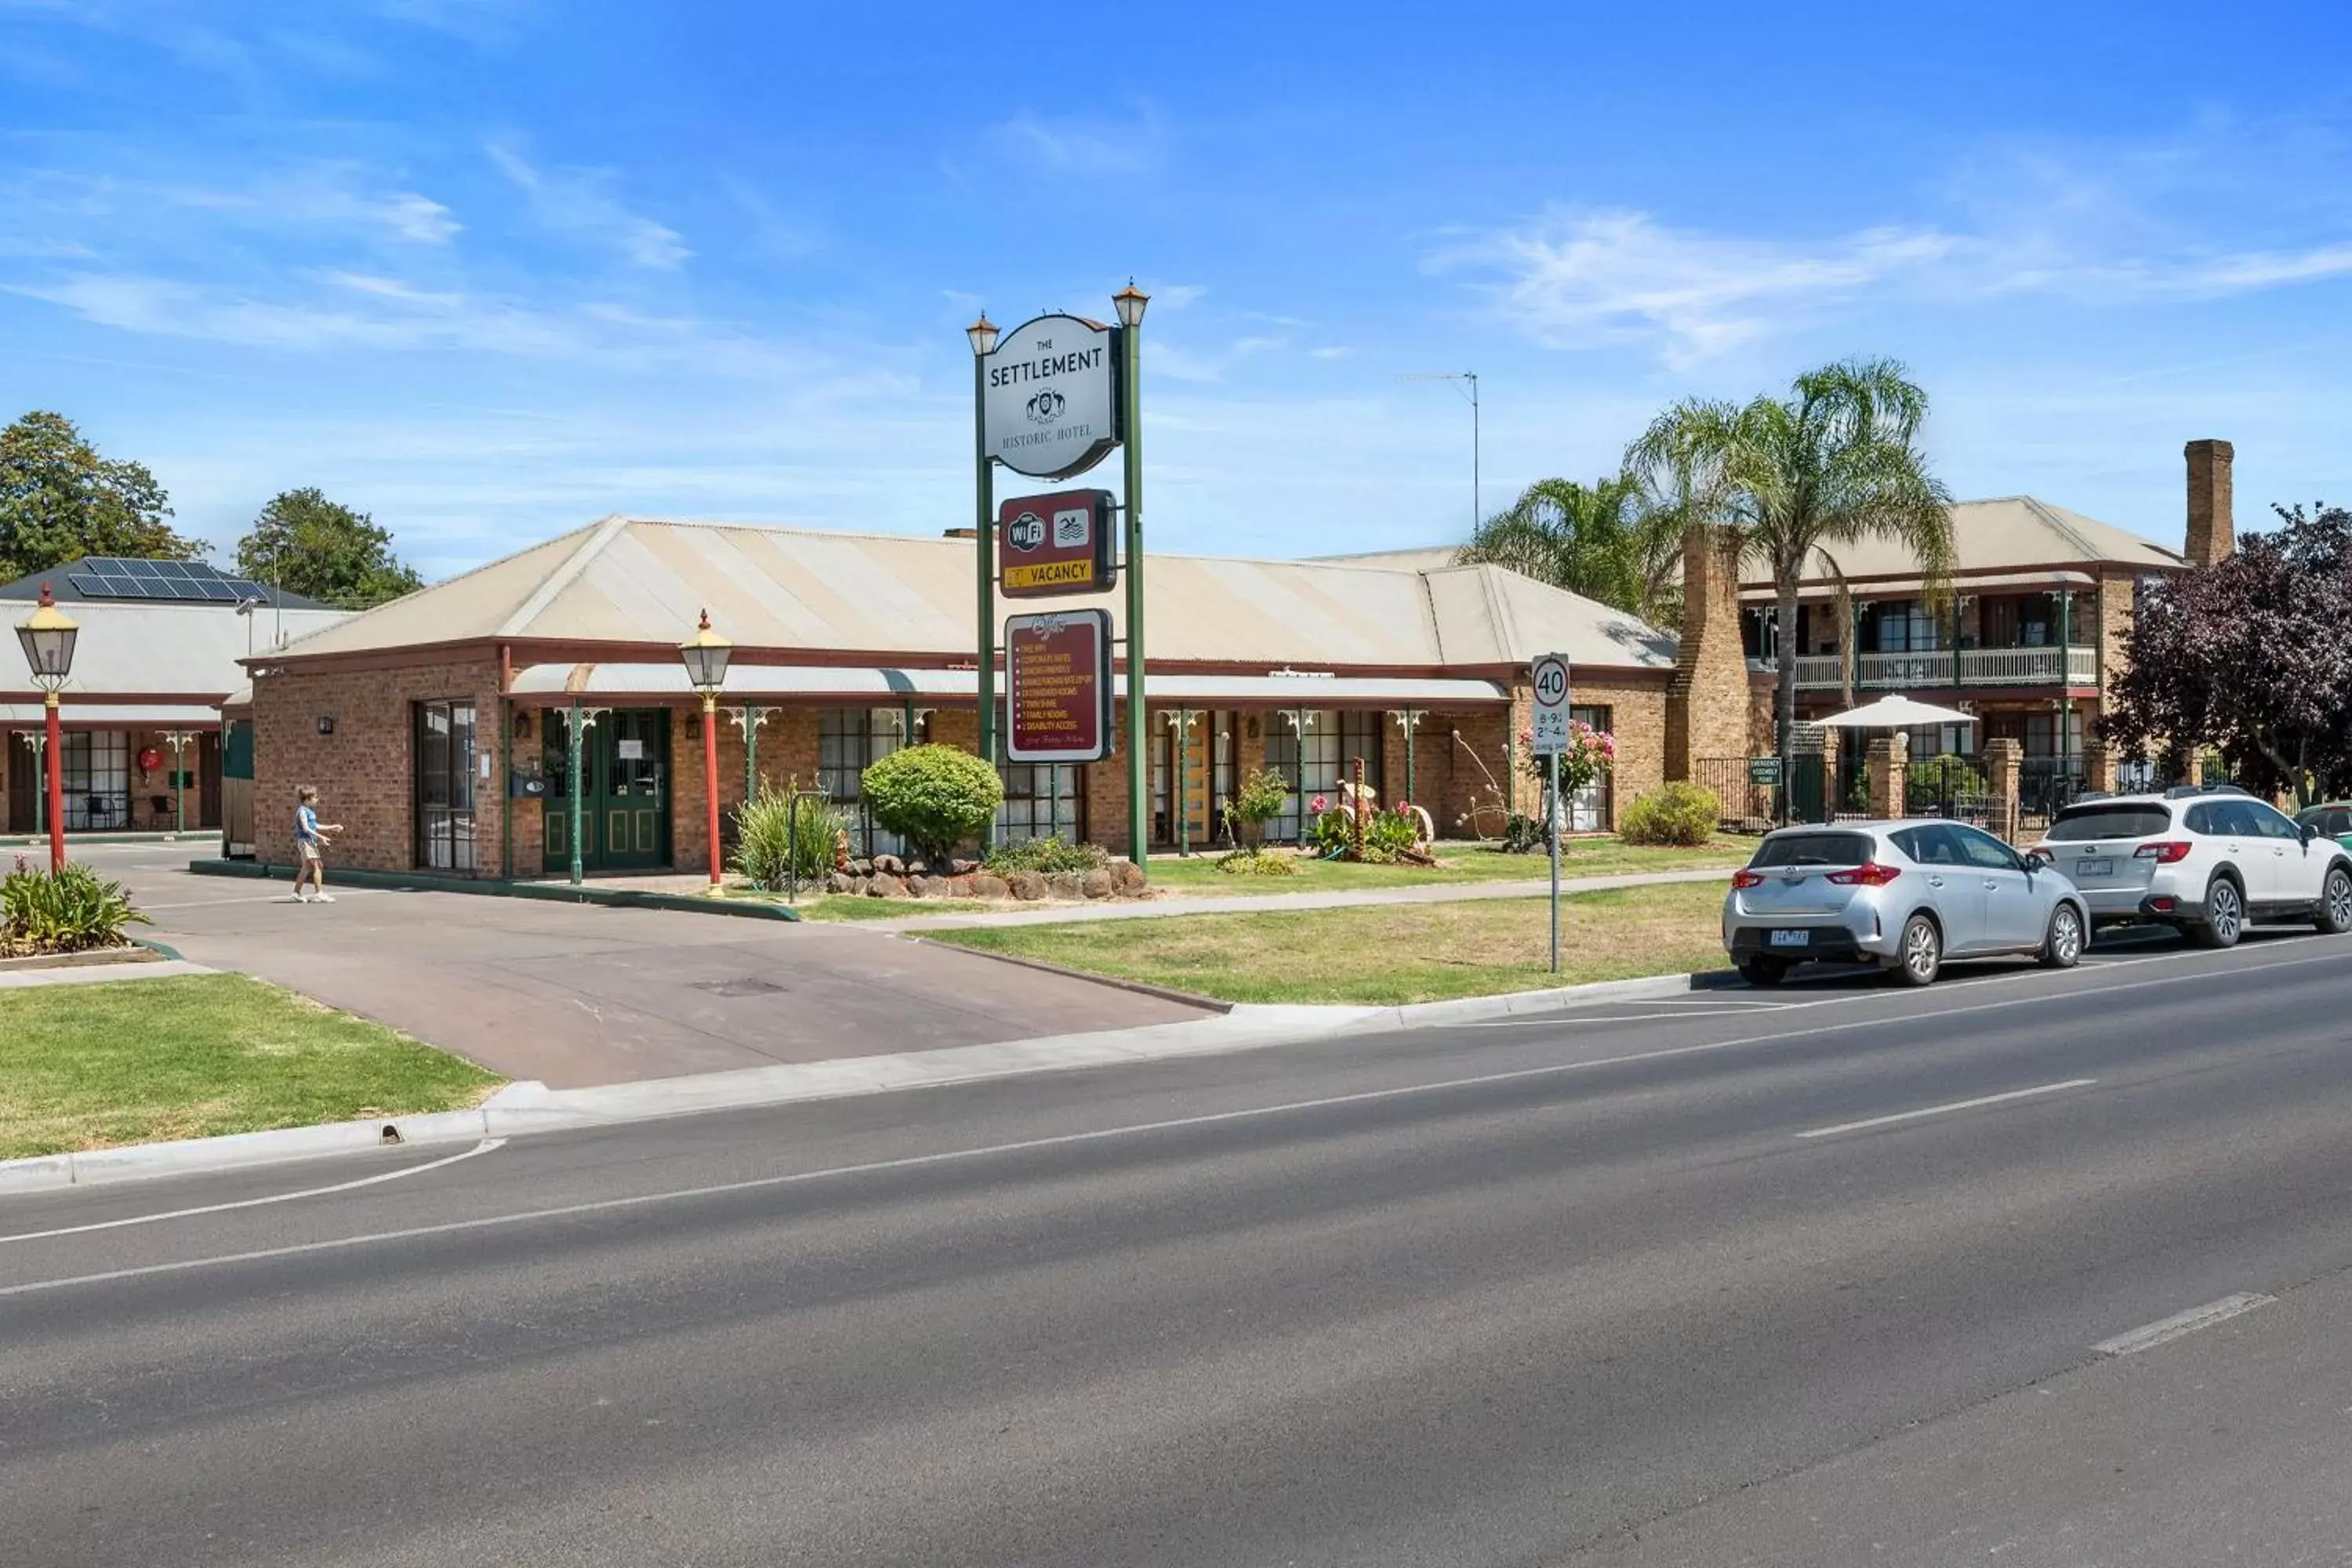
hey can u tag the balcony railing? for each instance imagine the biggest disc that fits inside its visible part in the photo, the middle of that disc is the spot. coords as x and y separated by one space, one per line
2074 665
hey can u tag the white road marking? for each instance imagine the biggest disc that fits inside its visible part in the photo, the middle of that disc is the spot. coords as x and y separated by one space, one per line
1947 1109
2147 1336
484 1147
952 1156
280 898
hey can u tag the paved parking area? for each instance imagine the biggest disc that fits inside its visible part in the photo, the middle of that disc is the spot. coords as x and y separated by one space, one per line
576 995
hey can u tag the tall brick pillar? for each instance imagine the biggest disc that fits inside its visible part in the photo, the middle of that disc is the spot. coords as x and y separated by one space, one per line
2098 766
2004 761
1707 706
1889 756
2212 531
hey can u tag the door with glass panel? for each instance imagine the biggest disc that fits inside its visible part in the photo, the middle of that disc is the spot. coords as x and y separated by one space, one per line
444 762
624 790
1193 761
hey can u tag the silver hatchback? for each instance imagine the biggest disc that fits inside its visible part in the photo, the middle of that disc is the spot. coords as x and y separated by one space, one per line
1904 895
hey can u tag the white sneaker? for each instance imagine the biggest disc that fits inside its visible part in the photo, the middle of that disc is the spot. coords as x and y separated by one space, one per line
324 898
301 898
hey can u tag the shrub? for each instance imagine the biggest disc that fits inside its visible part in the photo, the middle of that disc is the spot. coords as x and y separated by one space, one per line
1388 834
1048 855
1524 835
1335 831
1256 862
935 797
1680 812
768 849
69 912
1258 801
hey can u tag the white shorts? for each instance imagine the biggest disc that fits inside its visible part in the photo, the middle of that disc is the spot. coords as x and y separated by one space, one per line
309 851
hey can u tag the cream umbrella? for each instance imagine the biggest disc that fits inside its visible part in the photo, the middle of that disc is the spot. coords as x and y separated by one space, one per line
1895 712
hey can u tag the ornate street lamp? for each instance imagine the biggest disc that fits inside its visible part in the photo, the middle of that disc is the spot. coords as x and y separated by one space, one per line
706 654
1129 302
983 335
48 641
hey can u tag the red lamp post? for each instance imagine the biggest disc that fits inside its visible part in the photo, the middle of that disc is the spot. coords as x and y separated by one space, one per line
706 654
48 642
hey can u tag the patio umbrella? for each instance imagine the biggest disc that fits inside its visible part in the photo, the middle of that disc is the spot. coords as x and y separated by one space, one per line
1895 712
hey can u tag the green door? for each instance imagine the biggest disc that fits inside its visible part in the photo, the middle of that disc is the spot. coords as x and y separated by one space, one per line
624 804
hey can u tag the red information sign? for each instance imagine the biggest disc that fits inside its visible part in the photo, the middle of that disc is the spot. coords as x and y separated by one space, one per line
1058 544
1057 687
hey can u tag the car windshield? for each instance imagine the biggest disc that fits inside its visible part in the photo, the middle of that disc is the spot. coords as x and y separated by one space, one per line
1813 849
2109 822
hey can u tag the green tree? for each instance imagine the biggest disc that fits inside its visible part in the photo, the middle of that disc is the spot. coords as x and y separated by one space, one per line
1617 541
306 545
60 500
1835 463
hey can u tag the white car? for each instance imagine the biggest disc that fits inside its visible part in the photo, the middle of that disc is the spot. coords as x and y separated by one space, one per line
2210 862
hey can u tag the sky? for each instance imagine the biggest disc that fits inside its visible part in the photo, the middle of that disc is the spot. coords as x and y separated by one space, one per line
488 269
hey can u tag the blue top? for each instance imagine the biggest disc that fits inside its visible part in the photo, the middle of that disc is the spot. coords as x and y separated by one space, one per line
306 825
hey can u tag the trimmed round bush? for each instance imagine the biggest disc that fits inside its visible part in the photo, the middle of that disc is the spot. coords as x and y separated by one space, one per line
1680 812
935 797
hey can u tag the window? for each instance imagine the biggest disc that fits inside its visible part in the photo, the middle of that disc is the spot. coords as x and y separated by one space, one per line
2272 823
1930 846
850 741
1904 625
1588 808
445 786
1041 800
1303 746
1984 852
2085 823
1815 849
95 768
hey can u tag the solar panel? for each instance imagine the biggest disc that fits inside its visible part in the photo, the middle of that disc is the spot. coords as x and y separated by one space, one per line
191 582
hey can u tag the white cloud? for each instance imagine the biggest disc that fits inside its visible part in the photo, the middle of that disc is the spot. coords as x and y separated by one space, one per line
1073 146
580 202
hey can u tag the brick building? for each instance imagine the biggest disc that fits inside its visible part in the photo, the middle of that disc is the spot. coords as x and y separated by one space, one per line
437 725
159 648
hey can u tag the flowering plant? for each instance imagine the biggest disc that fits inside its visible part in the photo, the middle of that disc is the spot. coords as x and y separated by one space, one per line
1319 804
1591 752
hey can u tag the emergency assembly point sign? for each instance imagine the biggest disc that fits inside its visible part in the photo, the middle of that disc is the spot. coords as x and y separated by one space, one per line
1049 396
1058 544
1057 687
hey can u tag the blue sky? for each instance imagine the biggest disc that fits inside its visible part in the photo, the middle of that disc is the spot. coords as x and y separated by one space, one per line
489 269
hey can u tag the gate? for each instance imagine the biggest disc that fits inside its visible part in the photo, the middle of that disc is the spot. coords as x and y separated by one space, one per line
1743 803
1807 794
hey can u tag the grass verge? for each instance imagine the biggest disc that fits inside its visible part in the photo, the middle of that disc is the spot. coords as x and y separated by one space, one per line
139 1061
1199 877
857 907
1389 954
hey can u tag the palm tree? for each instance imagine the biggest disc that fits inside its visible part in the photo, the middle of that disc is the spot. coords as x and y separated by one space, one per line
1608 540
1835 463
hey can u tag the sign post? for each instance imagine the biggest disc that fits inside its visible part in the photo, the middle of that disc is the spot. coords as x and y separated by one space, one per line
1548 739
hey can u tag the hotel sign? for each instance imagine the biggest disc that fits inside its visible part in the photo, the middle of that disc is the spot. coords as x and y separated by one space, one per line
1057 687
1049 396
1055 544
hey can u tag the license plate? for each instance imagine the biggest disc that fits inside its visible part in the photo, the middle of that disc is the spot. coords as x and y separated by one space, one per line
2094 867
1791 939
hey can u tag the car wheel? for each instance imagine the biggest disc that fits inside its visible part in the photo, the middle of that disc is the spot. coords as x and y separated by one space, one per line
1764 971
1920 958
2333 916
2063 947
2225 915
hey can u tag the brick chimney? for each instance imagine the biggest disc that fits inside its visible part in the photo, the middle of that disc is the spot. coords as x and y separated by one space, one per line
2212 533
1706 705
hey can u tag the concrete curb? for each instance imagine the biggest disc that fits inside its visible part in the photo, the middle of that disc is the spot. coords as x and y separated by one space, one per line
492 887
522 1109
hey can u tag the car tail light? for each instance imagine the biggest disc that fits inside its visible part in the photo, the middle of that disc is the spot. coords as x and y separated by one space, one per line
1747 879
2164 852
2162 906
1871 875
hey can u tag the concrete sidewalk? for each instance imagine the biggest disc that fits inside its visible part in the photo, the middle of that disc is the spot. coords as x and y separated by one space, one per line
1261 904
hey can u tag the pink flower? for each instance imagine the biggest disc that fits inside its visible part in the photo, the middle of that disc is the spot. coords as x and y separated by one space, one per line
1320 805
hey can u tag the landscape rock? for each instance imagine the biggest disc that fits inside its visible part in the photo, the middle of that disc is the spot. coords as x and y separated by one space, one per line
1130 875
839 882
861 868
918 887
989 885
889 865
1064 885
1098 884
884 886
961 868
1028 884
961 885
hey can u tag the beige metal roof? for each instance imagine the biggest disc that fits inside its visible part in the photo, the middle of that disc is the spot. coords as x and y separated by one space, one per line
638 580
163 649
74 715
1999 535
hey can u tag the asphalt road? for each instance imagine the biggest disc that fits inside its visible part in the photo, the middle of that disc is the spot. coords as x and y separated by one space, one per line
1711 1281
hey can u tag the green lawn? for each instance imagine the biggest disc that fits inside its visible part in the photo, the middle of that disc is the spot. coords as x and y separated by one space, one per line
1199 877
137 1061
859 907
1389 954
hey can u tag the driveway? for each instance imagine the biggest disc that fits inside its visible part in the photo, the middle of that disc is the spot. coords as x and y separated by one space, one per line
576 995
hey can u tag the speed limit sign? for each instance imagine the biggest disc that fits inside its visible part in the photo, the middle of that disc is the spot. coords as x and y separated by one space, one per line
1549 678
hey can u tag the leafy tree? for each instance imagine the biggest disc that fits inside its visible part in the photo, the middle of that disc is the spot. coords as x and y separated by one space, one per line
60 501
1835 463
2249 656
306 545
935 797
1615 541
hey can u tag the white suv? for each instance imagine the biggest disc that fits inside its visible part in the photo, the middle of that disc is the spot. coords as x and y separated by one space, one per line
2210 862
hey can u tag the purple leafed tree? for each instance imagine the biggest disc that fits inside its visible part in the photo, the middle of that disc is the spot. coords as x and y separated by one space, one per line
2251 656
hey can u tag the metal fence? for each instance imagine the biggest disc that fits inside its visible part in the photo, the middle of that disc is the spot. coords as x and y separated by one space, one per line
1745 806
2046 785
